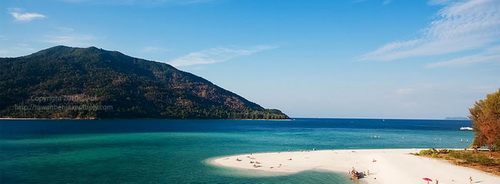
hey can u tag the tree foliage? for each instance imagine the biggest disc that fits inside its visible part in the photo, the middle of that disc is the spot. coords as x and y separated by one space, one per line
131 87
486 118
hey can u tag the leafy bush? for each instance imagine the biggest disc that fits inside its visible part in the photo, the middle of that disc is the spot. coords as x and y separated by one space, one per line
470 157
443 151
455 154
483 159
435 155
426 152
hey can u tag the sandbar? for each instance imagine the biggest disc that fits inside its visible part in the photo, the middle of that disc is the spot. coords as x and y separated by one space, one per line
381 166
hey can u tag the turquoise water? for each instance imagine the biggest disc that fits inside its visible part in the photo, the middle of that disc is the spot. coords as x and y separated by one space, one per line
166 151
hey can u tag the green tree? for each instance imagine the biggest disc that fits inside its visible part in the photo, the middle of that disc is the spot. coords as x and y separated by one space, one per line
485 116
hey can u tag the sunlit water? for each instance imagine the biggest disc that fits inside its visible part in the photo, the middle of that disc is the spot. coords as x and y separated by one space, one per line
175 151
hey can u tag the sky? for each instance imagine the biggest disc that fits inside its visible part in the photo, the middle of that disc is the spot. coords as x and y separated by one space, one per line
308 58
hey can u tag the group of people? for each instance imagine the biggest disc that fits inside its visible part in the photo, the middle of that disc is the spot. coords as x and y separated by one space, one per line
256 164
356 175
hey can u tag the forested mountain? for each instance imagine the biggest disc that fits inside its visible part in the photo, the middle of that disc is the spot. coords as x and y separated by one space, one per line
91 83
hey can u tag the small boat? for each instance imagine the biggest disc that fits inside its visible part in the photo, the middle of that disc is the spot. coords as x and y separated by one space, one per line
466 128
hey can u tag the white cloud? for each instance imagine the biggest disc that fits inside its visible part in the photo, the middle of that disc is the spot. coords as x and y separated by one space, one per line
459 26
24 17
489 56
215 55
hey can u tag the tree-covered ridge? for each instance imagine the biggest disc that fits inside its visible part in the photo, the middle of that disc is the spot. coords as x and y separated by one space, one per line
88 83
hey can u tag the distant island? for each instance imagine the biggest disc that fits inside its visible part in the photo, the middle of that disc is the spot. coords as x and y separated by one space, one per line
456 118
90 83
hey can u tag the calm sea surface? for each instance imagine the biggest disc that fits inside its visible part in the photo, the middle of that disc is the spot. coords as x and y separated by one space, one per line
175 151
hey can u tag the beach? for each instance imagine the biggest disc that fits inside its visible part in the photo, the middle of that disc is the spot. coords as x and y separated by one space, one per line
380 166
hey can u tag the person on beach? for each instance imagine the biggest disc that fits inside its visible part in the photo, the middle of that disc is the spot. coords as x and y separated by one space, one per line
470 179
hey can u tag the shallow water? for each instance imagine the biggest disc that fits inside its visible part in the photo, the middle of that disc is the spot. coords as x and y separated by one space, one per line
175 151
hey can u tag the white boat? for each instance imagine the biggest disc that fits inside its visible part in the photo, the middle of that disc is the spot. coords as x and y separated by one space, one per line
466 128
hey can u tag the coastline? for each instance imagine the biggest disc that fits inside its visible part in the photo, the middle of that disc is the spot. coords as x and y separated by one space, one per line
49 119
381 166
289 119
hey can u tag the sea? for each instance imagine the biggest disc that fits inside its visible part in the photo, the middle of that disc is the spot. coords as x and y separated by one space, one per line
177 151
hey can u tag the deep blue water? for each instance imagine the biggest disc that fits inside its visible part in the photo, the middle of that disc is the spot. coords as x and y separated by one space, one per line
174 151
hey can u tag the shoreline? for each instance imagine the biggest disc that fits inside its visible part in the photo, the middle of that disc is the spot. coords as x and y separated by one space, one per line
381 166
135 119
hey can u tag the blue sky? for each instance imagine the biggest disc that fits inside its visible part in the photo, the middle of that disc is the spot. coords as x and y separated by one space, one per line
309 58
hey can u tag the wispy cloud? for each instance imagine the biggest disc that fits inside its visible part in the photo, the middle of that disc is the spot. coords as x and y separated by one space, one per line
136 2
67 36
24 17
215 55
459 26
386 2
490 55
439 2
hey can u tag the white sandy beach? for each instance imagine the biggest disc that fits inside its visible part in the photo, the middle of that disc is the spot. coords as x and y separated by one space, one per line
385 166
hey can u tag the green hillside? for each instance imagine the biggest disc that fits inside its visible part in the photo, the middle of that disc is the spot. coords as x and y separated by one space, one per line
91 83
